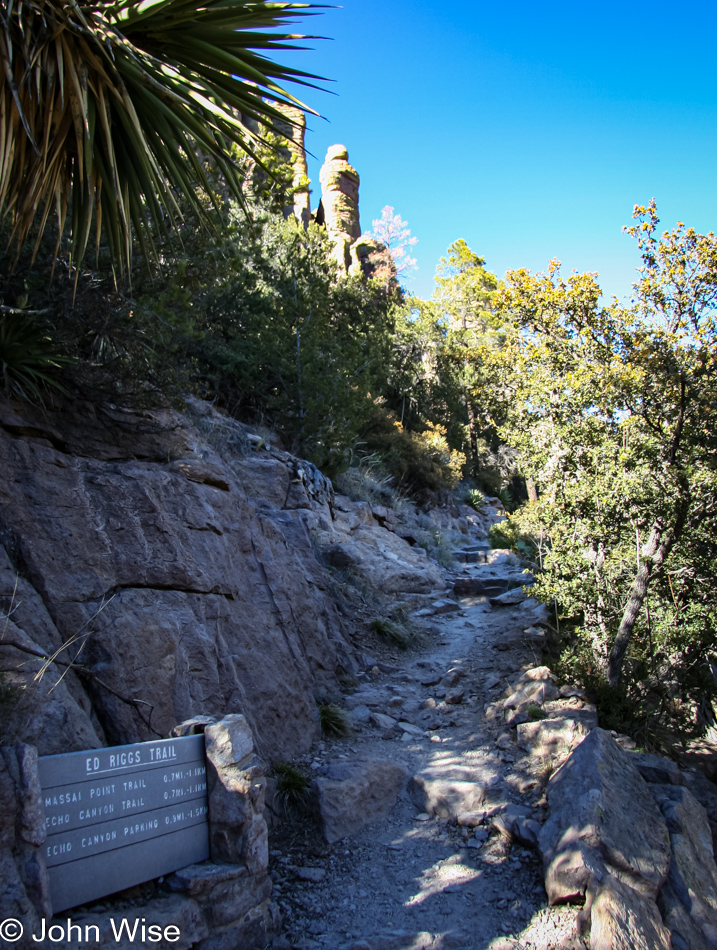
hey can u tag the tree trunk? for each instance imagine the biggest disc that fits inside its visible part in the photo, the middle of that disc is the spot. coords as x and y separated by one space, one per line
472 431
531 489
654 553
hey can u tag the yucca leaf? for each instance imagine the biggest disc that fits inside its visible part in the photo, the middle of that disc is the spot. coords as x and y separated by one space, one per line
81 90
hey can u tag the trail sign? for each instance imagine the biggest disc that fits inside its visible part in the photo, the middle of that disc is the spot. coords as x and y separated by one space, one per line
119 816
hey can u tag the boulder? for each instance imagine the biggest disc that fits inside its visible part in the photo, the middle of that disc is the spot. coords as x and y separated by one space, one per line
584 713
229 741
656 769
622 918
385 561
356 793
693 875
534 688
603 819
447 792
225 892
551 739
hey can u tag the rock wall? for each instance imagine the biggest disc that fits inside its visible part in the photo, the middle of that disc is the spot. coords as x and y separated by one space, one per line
138 544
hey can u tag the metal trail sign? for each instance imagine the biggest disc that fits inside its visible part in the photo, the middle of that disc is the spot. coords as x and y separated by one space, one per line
120 816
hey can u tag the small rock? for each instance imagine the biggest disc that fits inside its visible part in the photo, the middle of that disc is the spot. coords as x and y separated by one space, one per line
491 682
432 679
471 819
313 875
567 691
429 703
452 677
382 721
410 729
454 697
445 606
505 741
361 714
625 742
509 598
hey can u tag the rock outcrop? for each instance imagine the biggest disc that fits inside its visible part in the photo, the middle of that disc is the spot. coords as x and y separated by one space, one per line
626 836
294 130
340 203
178 593
603 820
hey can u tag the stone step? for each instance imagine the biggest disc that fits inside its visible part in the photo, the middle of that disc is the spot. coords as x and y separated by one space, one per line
475 586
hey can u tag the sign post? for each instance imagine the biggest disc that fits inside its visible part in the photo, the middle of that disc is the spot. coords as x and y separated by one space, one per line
120 816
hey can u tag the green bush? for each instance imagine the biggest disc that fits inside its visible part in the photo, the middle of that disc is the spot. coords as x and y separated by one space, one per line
508 534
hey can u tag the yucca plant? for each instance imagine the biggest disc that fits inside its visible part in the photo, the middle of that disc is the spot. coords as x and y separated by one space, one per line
28 359
111 112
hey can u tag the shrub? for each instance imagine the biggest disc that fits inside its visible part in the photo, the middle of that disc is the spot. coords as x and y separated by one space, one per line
367 480
508 534
419 462
435 543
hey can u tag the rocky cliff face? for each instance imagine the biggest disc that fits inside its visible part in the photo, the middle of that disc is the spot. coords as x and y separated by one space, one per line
126 537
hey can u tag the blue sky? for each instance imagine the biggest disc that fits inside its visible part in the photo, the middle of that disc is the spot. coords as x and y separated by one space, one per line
530 130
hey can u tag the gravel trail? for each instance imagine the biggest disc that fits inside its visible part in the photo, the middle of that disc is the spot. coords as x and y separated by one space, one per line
414 882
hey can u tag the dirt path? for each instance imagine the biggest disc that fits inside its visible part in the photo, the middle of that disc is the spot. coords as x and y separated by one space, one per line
410 881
